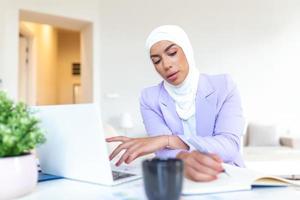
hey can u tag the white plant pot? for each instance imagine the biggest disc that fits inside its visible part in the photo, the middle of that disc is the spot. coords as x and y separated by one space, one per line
18 176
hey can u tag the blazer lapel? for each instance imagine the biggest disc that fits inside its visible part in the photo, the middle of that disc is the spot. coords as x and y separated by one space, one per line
205 107
168 110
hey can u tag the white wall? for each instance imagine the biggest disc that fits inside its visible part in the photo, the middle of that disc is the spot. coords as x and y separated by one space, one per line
9 48
1 46
256 41
87 10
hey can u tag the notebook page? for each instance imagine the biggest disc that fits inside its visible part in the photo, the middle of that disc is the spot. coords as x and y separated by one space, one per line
234 179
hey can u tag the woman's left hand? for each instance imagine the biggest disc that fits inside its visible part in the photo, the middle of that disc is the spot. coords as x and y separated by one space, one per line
136 147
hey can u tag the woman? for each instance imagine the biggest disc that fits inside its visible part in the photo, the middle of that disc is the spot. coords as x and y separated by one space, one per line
192 116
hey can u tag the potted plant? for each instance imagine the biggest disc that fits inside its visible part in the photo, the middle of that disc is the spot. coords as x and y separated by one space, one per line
19 135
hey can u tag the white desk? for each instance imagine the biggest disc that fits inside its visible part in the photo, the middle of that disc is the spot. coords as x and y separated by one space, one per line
68 189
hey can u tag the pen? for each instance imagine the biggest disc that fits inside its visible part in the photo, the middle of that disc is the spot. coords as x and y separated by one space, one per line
225 172
200 149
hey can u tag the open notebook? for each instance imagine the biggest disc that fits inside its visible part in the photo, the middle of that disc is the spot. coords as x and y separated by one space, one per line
234 179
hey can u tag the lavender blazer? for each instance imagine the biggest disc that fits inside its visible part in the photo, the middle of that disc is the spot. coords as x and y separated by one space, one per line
219 119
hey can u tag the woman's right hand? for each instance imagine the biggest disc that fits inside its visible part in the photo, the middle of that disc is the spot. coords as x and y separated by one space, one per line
136 147
199 166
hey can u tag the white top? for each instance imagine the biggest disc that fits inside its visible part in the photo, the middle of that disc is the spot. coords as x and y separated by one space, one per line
190 133
189 129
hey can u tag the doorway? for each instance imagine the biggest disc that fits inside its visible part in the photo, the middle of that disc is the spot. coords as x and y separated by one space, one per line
55 66
24 74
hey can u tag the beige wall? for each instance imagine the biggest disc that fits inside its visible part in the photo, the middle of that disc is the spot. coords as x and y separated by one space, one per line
68 53
89 74
45 51
54 52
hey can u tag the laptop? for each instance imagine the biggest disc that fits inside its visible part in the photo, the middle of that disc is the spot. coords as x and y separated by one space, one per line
75 146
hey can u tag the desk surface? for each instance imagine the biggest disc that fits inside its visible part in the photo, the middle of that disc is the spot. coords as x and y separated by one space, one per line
73 190
69 189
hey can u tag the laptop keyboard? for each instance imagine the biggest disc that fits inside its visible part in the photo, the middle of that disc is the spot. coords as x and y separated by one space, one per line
119 175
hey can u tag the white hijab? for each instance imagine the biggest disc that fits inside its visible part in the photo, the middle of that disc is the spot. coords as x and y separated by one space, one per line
184 94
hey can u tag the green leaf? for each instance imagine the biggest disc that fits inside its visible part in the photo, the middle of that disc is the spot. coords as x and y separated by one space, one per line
19 129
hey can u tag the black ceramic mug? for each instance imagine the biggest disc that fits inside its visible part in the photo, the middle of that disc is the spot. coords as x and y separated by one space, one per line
163 178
